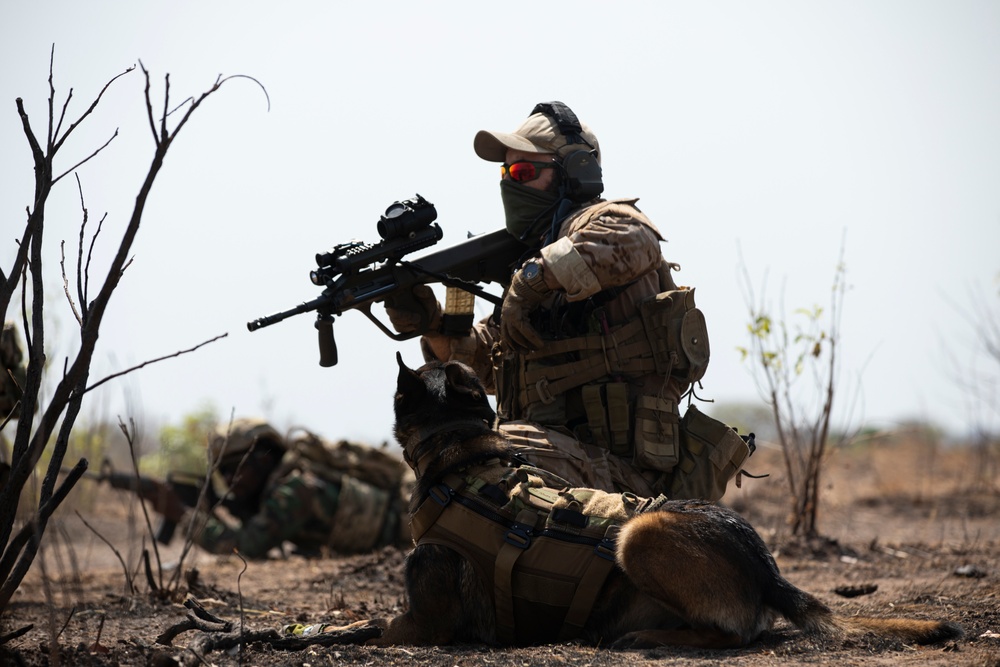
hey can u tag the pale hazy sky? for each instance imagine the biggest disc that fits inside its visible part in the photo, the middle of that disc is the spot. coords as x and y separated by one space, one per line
768 130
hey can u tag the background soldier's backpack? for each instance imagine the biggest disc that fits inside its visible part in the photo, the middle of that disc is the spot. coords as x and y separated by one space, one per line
374 486
331 460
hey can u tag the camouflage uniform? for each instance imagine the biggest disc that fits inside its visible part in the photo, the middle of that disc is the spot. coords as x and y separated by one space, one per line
313 506
606 245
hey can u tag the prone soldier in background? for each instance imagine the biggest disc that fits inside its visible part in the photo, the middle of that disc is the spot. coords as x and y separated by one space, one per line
341 498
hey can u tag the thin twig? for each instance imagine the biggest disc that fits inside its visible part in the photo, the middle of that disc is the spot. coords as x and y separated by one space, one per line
239 591
153 361
60 140
86 159
149 573
130 439
72 613
197 524
69 297
128 576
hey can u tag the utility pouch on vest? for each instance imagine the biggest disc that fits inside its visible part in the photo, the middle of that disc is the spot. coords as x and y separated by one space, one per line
711 454
607 411
504 374
657 433
677 334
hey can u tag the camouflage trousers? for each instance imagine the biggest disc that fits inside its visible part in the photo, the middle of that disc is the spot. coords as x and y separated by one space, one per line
580 464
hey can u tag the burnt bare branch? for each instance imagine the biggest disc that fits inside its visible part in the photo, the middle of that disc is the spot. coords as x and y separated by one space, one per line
48 430
153 361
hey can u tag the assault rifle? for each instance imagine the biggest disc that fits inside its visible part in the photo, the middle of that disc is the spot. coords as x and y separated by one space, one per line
356 275
187 486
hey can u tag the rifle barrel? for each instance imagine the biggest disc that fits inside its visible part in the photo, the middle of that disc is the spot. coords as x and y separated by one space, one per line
268 320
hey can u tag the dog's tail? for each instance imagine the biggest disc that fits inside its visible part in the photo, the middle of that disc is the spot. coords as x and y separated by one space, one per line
908 630
804 610
809 614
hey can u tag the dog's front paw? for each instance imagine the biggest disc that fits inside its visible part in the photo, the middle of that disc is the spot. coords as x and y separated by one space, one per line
626 643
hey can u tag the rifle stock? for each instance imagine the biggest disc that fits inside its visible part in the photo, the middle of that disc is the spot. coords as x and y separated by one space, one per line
356 276
187 487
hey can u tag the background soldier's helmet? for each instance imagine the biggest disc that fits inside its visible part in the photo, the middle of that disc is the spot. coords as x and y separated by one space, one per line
229 442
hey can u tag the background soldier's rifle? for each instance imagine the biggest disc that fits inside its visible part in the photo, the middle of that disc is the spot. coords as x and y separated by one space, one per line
356 275
187 486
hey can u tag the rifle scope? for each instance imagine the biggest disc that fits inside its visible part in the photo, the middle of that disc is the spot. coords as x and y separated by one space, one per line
404 218
405 227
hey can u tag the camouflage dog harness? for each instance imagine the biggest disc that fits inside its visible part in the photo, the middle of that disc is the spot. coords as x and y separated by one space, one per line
545 551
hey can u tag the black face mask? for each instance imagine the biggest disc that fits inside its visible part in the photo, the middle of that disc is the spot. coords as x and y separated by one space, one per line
528 211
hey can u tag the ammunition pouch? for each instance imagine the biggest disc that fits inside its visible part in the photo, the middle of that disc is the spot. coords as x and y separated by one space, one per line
711 454
677 334
607 409
657 433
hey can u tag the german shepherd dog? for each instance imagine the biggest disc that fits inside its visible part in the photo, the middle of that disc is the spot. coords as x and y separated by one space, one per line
689 573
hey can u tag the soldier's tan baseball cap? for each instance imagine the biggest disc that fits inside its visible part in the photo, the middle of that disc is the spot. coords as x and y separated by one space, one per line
538 134
229 442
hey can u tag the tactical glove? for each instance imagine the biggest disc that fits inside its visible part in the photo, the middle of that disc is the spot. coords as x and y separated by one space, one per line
407 311
527 290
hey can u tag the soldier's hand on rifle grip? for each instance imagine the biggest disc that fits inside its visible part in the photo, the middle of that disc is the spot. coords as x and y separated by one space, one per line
415 312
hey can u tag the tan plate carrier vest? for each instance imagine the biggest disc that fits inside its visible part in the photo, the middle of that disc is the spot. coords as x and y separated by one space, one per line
545 552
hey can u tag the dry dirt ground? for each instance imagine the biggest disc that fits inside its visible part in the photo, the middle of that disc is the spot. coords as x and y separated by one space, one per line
916 522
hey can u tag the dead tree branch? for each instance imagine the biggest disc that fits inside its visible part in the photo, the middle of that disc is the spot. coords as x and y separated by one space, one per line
50 428
218 635
153 361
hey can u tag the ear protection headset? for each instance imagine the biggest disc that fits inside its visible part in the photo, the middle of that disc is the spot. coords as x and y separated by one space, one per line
581 170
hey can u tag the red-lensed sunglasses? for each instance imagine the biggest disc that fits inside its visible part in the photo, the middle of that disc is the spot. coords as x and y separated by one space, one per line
524 171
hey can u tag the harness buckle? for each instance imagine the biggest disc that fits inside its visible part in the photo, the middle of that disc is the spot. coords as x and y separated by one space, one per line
542 387
519 536
441 494
606 547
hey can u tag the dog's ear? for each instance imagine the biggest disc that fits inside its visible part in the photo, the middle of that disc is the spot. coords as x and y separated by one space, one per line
463 383
462 380
409 384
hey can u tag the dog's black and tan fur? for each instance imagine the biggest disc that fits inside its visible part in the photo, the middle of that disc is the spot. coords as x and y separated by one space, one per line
690 573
